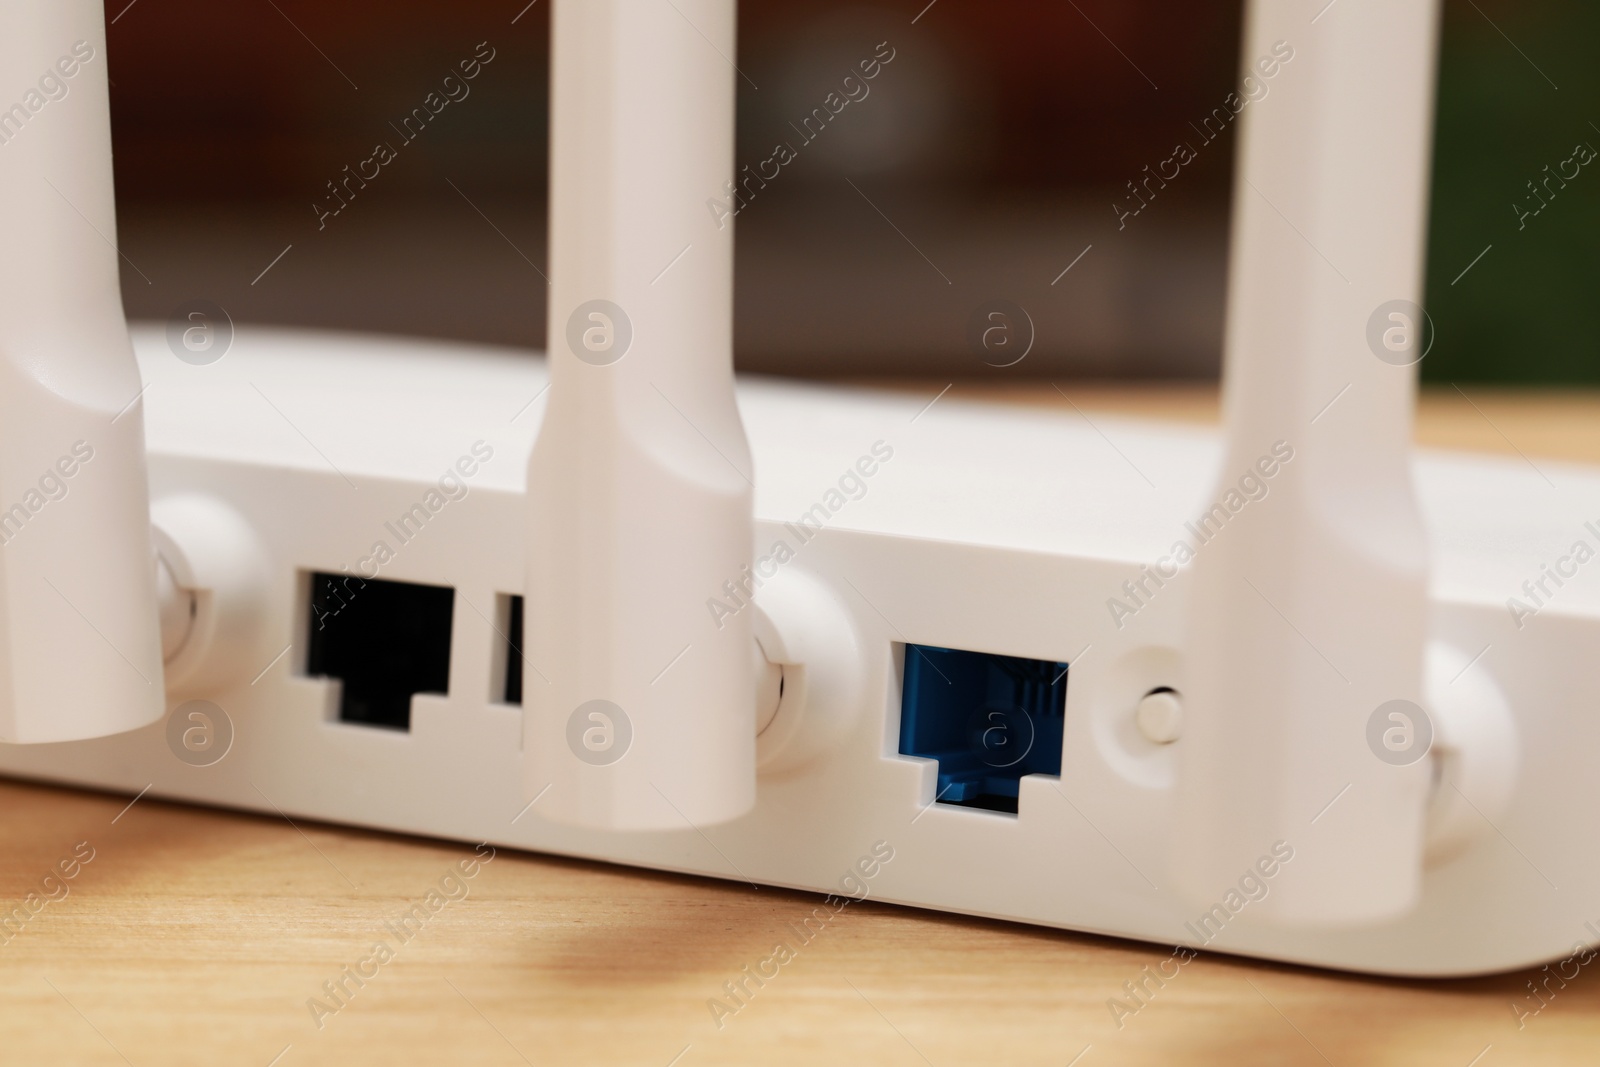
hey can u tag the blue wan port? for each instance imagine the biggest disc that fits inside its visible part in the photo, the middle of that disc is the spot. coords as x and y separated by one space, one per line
987 719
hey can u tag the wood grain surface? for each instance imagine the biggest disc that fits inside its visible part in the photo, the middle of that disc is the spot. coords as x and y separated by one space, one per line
201 937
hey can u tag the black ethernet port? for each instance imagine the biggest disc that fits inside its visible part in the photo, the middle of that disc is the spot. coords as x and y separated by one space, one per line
383 641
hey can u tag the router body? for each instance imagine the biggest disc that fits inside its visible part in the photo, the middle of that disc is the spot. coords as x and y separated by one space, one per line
981 528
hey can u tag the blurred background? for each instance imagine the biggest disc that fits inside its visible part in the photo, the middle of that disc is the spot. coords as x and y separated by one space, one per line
990 161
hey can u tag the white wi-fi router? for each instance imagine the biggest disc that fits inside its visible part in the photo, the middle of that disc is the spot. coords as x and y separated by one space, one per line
1260 694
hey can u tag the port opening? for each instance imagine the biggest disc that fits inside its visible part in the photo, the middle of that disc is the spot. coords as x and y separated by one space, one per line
506 678
988 719
383 641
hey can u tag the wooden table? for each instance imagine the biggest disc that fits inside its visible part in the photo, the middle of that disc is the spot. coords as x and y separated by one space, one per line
198 937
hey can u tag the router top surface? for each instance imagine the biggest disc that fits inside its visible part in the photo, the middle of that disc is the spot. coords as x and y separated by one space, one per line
1031 479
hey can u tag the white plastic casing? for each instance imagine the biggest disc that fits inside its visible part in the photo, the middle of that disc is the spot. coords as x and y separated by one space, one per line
80 650
1025 567
639 485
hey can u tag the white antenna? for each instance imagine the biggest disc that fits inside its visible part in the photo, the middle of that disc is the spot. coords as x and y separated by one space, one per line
1309 608
80 648
640 706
